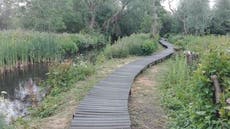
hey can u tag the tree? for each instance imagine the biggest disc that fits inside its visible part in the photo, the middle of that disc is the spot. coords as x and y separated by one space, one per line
141 16
155 18
193 14
220 23
46 15
6 13
180 14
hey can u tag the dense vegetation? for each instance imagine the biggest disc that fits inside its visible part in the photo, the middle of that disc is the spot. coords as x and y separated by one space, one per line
136 44
111 17
189 92
116 17
196 17
36 31
22 47
61 78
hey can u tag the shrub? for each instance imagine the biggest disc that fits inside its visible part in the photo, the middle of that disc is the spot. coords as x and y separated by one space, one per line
148 47
68 46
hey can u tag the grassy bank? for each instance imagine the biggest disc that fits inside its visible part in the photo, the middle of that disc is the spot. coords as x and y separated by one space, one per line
188 94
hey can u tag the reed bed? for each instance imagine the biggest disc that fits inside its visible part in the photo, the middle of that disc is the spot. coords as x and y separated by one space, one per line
19 47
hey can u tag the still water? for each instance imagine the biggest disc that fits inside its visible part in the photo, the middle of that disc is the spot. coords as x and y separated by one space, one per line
20 90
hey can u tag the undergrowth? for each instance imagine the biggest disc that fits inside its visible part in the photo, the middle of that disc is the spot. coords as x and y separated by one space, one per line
60 79
188 94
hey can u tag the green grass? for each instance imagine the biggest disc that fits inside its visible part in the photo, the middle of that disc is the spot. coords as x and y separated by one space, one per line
200 44
188 94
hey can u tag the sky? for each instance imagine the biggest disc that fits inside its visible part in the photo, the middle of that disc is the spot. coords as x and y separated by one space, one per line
176 2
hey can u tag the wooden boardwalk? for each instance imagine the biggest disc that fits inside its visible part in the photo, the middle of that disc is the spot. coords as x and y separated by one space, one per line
106 105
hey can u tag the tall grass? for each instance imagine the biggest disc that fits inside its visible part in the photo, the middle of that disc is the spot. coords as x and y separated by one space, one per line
188 94
177 92
20 47
136 44
200 44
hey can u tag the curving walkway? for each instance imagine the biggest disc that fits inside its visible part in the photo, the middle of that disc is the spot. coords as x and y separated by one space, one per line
106 105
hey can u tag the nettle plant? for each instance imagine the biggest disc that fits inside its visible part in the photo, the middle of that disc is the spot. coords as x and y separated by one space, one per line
208 112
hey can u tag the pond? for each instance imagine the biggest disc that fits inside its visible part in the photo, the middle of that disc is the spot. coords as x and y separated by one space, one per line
20 90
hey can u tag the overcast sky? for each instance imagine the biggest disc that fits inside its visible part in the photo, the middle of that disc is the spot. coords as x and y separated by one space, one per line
175 4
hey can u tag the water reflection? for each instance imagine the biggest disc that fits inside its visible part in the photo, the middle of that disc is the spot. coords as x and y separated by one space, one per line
20 90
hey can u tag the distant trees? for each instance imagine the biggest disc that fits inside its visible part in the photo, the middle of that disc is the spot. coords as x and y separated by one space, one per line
195 17
46 15
6 13
112 17
220 22
116 17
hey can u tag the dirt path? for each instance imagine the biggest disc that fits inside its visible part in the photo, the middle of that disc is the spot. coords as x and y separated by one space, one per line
144 103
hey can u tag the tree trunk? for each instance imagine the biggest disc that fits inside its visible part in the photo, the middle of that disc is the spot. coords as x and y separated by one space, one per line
92 9
184 27
183 19
92 20
155 17
114 18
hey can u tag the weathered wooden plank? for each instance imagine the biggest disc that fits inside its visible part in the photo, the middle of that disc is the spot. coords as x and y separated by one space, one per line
106 105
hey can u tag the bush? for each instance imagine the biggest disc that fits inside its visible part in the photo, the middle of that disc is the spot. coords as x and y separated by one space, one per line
68 46
136 44
148 47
